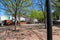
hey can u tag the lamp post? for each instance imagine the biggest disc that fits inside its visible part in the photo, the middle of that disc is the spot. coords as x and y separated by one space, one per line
49 20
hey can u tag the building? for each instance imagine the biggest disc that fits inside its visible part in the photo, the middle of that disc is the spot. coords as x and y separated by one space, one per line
20 20
2 18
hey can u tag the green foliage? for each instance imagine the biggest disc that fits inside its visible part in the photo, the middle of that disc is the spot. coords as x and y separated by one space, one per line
56 7
55 14
15 6
36 14
56 4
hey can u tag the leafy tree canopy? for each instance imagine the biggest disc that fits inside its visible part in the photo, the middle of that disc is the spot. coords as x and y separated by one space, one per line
36 14
13 7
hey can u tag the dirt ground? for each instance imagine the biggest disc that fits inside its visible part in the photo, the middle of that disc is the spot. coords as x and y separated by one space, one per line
28 34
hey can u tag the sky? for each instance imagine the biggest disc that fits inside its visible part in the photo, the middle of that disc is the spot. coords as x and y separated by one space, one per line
34 6
1 11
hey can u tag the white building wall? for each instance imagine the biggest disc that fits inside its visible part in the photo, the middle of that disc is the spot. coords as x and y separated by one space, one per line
2 18
19 19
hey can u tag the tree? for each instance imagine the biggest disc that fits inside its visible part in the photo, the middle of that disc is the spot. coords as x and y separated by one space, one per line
56 7
36 14
55 14
15 7
56 4
42 6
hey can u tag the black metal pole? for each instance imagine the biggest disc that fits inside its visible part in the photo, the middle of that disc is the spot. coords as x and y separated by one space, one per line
49 20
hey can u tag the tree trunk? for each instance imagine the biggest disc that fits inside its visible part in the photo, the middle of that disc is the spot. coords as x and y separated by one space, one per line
19 20
15 22
15 15
44 13
45 19
45 23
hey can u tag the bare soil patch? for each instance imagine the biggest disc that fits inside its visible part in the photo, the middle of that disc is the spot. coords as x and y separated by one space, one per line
28 34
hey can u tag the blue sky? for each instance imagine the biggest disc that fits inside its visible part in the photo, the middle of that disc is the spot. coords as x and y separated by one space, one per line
34 6
1 11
